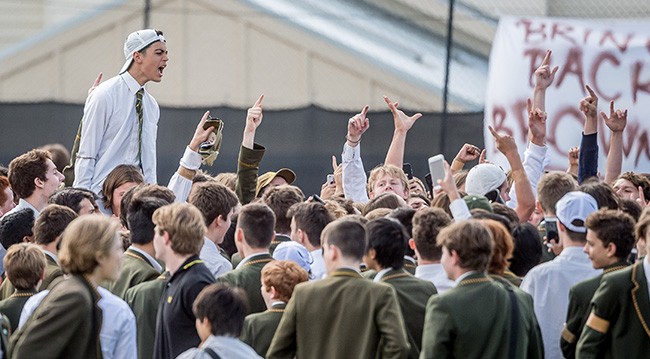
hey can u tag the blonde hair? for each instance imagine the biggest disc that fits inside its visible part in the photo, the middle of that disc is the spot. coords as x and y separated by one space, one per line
390 170
24 265
185 225
84 240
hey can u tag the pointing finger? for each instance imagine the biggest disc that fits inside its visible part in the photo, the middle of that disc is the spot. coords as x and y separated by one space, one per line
258 103
591 92
334 165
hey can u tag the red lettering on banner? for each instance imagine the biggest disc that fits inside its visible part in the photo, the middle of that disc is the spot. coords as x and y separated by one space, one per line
536 56
499 114
637 86
647 45
586 36
644 146
551 138
608 35
572 65
530 31
520 108
632 129
562 30
594 70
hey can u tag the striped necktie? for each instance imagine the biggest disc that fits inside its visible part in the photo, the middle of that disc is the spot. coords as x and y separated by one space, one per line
138 110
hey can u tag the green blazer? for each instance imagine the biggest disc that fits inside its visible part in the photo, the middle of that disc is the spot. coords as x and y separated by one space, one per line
620 315
412 296
410 265
136 269
341 316
248 166
259 328
247 277
143 300
65 325
13 306
52 272
473 320
580 296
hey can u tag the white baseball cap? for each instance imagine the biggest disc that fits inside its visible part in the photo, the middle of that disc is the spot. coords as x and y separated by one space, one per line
484 178
136 41
575 205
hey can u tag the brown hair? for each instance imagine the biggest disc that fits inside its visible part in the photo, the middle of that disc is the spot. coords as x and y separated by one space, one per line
613 226
311 218
59 154
257 221
213 200
427 223
52 222
120 175
471 240
4 184
24 264
227 179
185 225
224 307
552 187
280 199
283 275
86 238
25 168
602 193
643 224
503 246
637 180
442 201
385 200
348 235
143 190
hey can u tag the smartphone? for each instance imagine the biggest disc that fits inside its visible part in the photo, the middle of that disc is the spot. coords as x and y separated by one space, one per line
330 179
408 170
550 226
437 169
316 198
427 179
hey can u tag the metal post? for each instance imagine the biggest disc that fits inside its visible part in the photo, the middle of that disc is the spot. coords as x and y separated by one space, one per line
445 93
147 10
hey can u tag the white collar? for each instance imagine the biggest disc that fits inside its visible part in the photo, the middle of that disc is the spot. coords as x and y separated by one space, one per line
151 259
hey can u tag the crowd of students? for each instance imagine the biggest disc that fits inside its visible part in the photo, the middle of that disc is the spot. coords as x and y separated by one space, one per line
527 263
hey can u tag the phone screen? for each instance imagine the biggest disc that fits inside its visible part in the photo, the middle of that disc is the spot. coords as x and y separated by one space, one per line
550 225
437 169
408 170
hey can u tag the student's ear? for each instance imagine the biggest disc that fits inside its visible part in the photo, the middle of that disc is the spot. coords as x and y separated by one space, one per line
611 249
273 293
561 227
412 244
239 235
538 206
38 182
372 253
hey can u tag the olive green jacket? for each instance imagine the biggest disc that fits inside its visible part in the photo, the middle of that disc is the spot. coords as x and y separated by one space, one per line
136 269
620 315
248 166
247 277
52 272
13 306
143 300
259 328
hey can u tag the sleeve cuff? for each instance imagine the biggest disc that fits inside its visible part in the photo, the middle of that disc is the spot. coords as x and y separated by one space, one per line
191 160
459 210
350 153
535 151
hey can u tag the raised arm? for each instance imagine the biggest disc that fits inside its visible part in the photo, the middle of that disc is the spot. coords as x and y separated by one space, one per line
574 153
353 174
526 199
250 155
544 77
403 124
588 160
467 153
616 122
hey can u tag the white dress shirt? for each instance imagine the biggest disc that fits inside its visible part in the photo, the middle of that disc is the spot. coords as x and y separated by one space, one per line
118 332
436 274
110 133
318 270
180 185
533 166
22 204
354 175
549 284
225 347
216 263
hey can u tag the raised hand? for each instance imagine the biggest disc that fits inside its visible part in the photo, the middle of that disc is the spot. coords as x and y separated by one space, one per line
574 155
357 126
402 122
589 104
254 115
641 200
481 158
505 143
544 75
536 124
617 120
467 153
338 176
98 80
200 134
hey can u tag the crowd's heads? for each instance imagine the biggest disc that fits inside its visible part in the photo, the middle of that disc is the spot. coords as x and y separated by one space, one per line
214 200
385 200
348 236
59 154
426 226
418 201
471 242
143 190
553 186
119 180
295 253
179 227
49 226
528 249
220 310
256 223
610 237
33 171
16 227
308 220
572 211
601 192
503 247
6 196
280 199
627 186
227 179
87 242
139 217
642 232
282 276
388 178
386 243
271 179
24 265
81 201
486 178
631 207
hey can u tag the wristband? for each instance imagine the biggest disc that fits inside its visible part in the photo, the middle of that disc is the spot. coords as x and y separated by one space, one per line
355 142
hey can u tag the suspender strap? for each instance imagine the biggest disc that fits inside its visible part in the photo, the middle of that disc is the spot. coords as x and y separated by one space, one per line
212 353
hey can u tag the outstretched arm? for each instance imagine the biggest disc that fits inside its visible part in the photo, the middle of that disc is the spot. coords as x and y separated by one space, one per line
403 124
616 122
588 160
250 155
467 153
353 174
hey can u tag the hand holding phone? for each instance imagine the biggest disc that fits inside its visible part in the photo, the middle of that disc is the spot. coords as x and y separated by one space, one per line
330 179
437 170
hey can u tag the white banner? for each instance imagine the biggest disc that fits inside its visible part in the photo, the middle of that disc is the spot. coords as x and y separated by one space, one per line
612 57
